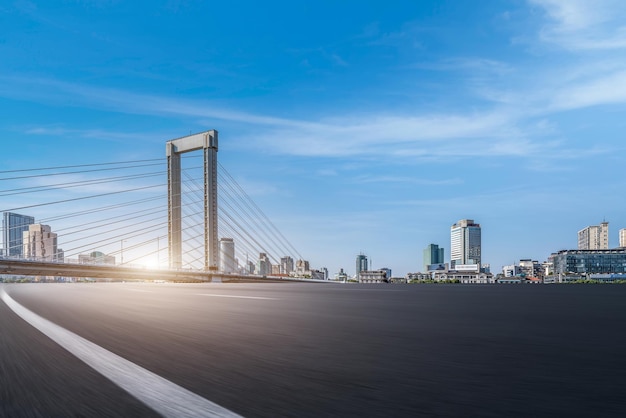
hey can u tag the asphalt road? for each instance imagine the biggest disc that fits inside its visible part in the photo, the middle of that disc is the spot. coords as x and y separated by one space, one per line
313 350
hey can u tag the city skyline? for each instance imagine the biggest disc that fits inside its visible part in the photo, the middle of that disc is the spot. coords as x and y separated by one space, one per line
465 239
372 135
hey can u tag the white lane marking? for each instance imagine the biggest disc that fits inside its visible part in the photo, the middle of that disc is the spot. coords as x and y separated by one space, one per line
140 290
233 296
165 397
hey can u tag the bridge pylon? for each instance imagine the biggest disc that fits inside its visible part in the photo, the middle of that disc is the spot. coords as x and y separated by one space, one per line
206 141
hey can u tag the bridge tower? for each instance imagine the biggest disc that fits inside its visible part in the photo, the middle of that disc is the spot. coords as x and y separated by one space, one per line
206 141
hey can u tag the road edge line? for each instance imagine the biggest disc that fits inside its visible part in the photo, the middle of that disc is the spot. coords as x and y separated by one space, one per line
163 396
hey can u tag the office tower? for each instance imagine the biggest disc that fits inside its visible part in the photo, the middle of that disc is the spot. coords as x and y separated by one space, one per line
286 265
264 267
594 237
39 243
465 243
361 264
227 256
432 255
622 237
13 227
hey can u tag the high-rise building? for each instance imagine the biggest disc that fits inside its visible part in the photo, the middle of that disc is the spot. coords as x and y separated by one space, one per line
227 260
432 255
264 267
13 227
594 237
465 243
40 243
286 265
361 264
622 237
302 266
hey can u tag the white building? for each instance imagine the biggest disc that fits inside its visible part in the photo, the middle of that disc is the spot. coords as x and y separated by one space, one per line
511 270
264 267
324 271
228 263
96 257
466 277
594 237
341 276
39 243
465 243
622 237
372 276
302 266
286 265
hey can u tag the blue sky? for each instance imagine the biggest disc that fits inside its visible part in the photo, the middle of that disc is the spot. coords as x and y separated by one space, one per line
362 126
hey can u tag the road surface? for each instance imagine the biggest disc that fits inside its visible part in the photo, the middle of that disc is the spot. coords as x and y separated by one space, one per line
314 350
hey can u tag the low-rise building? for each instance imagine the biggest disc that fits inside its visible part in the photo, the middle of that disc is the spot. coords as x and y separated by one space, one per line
341 276
418 277
509 280
590 261
511 270
373 276
96 257
467 277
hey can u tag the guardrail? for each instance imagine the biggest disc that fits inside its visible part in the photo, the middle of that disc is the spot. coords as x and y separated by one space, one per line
20 267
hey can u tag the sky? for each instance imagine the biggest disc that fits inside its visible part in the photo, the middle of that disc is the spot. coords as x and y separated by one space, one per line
357 126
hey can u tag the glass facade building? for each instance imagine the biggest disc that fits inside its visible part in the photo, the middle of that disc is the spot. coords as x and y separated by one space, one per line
590 261
361 264
13 226
432 255
465 243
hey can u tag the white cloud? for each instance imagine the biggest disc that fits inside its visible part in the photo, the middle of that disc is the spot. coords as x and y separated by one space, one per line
505 130
607 89
585 25
474 64
409 180
100 134
348 135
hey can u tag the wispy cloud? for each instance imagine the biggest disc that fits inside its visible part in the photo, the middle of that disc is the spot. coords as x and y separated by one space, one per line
407 180
338 136
585 25
506 127
605 89
463 64
408 36
100 134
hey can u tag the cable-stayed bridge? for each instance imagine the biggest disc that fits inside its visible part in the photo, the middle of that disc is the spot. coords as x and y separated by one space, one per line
180 217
